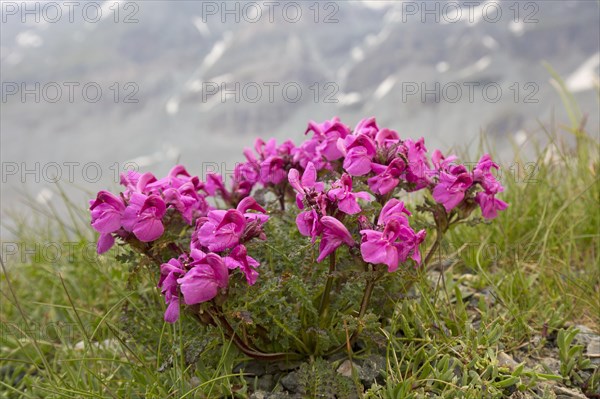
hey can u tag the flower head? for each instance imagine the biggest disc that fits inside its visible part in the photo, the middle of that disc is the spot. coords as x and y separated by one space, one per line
490 205
221 229
334 235
396 242
203 281
358 153
238 259
306 187
326 135
346 199
451 188
169 273
143 216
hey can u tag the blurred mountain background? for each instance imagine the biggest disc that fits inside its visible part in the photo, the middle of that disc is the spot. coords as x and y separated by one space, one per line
365 62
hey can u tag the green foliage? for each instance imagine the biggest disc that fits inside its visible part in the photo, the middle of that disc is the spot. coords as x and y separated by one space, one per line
571 356
281 311
319 379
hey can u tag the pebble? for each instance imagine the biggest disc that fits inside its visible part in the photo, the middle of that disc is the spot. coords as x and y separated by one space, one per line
553 364
345 369
593 349
372 369
290 382
567 393
253 367
505 360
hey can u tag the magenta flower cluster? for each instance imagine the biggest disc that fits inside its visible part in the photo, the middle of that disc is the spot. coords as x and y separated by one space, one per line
140 209
217 246
333 176
378 157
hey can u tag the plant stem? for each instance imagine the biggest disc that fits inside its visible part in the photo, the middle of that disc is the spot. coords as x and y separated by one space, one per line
220 320
439 235
325 299
281 197
367 297
364 304
433 249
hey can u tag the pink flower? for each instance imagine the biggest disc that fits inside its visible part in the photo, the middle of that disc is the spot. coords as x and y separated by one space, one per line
482 174
342 192
245 176
169 273
143 216
327 134
265 150
368 127
409 245
186 200
272 170
238 259
396 243
107 211
386 138
136 182
309 225
489 205
221 229
334 235
451 187
308 152
107 214
391 246
393 210
308 186
379 247
105 242
250 204
214 185
418 165
387 177
440 162
272 160
177 177
359 152
247 171
203 281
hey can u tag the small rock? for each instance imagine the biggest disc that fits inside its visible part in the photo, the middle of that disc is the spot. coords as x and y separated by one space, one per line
371 370
552 364
489 296
593 347
567 393
288 365
290 382
520 395
265 382
259 395
253 367
468 277
272 395
112 345
505 360
465 291
584 375
346 368
585 336
434 277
